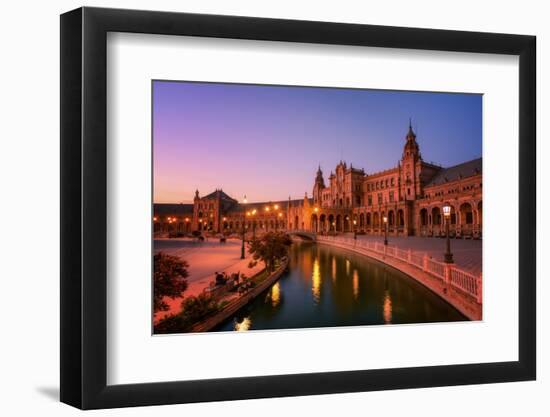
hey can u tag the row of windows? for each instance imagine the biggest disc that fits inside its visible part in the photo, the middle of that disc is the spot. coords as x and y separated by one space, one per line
380 198
381 184
451 191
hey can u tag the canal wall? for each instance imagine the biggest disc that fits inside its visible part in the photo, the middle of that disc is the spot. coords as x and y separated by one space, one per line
235 305
438 282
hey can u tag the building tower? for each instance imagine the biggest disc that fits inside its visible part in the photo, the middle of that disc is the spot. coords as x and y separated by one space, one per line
197 212
318 187
410 167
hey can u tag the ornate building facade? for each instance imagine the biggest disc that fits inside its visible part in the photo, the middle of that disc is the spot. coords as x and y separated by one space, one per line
410 196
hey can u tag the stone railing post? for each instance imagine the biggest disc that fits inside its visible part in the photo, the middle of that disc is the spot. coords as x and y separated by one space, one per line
448 268
409 256
479 289
425 262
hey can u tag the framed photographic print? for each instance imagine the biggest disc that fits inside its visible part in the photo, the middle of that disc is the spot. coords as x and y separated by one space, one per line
258 208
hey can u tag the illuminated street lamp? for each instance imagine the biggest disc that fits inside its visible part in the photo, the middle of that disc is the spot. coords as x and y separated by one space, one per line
354 230
385 219
251 213
447 216
244 219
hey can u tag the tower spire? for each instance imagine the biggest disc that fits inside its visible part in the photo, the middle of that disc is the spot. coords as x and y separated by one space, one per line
410 134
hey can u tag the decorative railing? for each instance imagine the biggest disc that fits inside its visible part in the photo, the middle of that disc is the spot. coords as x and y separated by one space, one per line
466 282
435 268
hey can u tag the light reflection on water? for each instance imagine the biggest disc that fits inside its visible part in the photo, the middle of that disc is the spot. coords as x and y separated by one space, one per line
244 325
316 281
275 294
387 307
360 292
355 284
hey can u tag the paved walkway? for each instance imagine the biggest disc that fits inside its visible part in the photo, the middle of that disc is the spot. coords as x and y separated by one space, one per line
467 253
204 259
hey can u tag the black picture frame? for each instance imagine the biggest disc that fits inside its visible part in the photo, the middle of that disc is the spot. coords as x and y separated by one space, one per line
84 207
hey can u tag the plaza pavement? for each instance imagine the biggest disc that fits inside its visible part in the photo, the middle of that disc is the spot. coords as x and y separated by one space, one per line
467 253
204 259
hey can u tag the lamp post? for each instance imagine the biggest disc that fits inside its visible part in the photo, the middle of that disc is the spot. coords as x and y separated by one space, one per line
385 219
354 231
447 215
243 230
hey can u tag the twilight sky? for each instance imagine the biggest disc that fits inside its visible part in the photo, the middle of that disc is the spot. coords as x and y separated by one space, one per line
267 141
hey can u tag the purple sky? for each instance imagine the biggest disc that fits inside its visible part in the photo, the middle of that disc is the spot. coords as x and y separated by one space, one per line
267 141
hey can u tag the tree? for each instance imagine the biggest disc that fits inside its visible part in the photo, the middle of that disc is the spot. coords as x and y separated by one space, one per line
271 247
170 279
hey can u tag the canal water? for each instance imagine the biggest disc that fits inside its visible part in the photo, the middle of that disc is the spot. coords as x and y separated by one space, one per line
326 287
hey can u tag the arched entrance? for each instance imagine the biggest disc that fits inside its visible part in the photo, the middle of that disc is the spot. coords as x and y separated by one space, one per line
400 221
331 223
466 218
436 221
391 220
347 224
423 222
314 223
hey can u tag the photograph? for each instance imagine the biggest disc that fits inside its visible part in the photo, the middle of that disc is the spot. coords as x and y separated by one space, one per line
302 207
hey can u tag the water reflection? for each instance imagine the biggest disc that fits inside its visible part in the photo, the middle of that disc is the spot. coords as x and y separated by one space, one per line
355 284
244 325
387 308
372 293
316 281
275 294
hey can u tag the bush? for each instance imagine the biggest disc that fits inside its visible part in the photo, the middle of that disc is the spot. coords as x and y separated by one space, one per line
194 309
